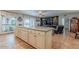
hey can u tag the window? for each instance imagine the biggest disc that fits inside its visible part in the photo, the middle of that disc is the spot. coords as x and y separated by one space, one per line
32 21
29 21
8 23
26 22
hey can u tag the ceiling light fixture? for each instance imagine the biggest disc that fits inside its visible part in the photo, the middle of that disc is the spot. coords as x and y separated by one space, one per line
41 13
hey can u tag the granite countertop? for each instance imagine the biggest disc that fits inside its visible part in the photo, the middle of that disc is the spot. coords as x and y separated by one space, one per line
39 28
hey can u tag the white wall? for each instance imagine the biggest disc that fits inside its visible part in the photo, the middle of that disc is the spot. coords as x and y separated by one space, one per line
72 15
0 21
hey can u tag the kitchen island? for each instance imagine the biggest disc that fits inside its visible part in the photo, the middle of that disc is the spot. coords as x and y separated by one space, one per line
38 37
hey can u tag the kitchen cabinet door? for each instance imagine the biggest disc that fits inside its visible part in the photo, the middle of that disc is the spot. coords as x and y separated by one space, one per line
16 32
23 35
19 32
26 36
32 38
40 39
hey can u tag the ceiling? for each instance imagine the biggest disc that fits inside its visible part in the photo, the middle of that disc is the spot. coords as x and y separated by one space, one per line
45 13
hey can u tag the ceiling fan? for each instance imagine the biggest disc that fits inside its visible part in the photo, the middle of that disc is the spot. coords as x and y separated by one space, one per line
41 13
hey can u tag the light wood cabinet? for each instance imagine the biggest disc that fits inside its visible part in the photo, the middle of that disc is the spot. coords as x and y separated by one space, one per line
26 35
32 37
40 39
37 38
22 33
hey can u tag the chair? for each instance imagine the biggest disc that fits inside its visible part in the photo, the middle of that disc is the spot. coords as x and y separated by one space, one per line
59 29
77 34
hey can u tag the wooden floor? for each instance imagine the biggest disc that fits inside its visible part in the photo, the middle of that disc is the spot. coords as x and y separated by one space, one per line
60 41
9 41
67 41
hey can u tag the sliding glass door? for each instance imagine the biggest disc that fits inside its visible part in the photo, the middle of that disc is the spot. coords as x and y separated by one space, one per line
8 23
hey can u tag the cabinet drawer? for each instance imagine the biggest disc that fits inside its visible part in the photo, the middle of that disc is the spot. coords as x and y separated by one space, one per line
39 33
